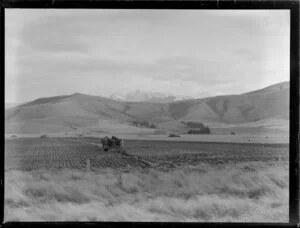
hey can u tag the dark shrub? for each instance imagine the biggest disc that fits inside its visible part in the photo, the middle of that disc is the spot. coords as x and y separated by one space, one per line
173 135
191 124
152 126
143 124
204 130
44 136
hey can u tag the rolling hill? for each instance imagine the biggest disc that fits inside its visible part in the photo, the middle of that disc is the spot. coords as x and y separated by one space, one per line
77 111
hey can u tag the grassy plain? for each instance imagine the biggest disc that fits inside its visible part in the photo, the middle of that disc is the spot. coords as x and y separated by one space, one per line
251 192
204 182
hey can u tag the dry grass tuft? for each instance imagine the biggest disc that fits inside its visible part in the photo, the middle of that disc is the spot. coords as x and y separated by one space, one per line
249 193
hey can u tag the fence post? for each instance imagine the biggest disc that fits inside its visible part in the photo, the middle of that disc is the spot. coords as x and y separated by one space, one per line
235 159
122 145
282 161
88 165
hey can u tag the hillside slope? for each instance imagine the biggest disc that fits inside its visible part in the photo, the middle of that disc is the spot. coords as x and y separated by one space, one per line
77 111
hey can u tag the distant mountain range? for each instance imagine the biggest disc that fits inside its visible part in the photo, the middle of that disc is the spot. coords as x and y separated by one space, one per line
138 96
99 114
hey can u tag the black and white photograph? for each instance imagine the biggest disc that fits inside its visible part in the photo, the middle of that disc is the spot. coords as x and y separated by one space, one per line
147 115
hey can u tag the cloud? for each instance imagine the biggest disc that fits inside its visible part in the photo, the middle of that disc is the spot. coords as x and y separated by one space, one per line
71 30
54 52
48 35
81 65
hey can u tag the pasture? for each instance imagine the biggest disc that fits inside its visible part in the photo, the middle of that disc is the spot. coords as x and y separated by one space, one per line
48 180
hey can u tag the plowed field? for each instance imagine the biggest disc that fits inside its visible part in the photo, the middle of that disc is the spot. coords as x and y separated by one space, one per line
56 153
36 153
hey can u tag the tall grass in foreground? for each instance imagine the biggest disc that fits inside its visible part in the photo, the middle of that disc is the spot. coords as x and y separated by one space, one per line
248 193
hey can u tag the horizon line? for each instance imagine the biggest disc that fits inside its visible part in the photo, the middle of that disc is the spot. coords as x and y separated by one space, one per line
108 97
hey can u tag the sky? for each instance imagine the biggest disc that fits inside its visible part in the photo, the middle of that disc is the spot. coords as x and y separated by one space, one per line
197 53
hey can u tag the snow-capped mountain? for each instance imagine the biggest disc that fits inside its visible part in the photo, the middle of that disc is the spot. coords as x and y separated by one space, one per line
117 97
156 97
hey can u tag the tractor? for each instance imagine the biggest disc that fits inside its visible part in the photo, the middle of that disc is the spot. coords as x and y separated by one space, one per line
111 144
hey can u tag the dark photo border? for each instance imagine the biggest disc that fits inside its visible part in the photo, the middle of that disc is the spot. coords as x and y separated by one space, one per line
293 6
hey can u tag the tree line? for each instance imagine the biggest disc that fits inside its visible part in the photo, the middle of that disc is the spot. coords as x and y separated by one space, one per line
197 127
143 124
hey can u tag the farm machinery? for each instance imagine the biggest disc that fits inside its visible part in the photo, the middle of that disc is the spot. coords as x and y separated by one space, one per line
117 145
112 144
